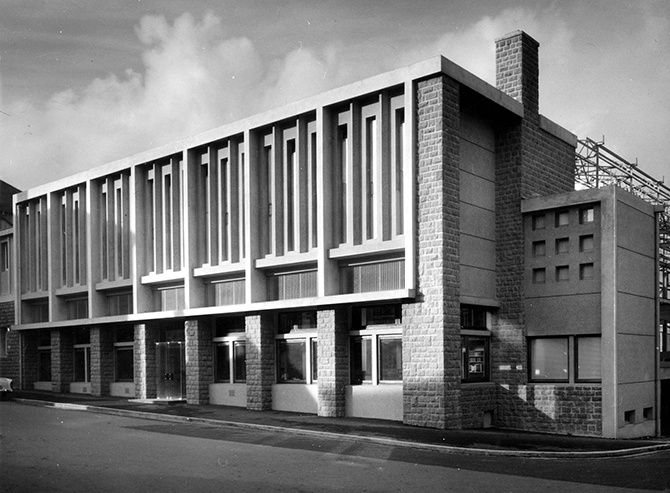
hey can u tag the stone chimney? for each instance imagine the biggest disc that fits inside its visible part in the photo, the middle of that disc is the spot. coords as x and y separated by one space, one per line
518 70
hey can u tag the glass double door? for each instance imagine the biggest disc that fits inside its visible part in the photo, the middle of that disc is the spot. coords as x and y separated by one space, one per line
170 370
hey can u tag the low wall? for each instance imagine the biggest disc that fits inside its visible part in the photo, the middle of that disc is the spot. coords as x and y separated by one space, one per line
551 408
228 394
298 398
374 401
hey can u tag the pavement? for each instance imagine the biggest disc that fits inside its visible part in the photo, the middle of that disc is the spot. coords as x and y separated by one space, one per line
489 441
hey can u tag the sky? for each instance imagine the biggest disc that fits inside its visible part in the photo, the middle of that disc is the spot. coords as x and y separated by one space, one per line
87 82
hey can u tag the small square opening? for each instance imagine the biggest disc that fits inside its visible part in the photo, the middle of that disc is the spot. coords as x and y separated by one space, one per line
629 416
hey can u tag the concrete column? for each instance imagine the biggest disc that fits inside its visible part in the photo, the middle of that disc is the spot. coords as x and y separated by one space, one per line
199 361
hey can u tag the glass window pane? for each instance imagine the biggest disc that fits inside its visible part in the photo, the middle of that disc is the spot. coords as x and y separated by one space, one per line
124 364
315 362
549 359
475 357
240 349
82 364
291 358
390 358
361 360
45 366
222 362
588 358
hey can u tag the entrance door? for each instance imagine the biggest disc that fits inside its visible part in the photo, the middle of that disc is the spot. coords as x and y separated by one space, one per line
170 364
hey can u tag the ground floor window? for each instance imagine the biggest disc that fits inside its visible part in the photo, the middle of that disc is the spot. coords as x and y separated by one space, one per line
297 347
82 363
230 350
44 364
475 358
231 361
475 343
376 345
3 342
124 359
587 352
565 359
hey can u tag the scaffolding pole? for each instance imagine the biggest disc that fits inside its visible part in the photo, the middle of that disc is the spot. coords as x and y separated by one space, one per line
596 166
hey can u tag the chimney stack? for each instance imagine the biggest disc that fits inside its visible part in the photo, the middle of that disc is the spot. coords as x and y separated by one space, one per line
518 70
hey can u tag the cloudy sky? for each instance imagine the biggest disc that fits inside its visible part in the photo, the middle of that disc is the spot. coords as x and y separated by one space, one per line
85 82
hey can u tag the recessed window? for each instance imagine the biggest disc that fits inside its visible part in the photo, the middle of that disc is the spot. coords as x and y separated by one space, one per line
390 358
586 271
539 221
292 361
539 276
473 317
124 368
231 358
539 248
586 215
562 273
648 413
549 359
562 218
586 243
562 245
475 358
629 416
588 358
296 347
361 360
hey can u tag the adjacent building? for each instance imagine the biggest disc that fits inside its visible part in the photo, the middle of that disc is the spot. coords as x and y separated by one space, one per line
409 247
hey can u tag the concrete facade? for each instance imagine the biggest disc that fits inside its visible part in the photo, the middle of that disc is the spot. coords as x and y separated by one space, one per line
367 252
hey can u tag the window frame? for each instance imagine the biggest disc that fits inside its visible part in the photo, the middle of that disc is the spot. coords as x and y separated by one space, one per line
475 324
375 336
295 327
466 337
230 343
577 377
532 378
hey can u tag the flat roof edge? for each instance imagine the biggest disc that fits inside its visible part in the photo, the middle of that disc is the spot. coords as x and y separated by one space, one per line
422 69
557 131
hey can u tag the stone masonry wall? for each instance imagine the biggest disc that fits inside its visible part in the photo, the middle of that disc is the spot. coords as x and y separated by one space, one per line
9 365
144 353
431 334
62 360
260 361
199 361
102 360
529 162
551 408
476 400
333 361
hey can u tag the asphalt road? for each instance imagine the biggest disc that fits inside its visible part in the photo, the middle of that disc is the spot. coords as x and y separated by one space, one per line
51 449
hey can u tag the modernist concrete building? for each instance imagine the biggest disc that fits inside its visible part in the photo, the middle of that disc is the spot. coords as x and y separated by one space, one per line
409 247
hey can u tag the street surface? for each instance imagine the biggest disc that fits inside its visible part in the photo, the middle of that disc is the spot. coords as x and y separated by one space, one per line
51 449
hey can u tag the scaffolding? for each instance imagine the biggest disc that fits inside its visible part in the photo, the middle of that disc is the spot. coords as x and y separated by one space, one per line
597 166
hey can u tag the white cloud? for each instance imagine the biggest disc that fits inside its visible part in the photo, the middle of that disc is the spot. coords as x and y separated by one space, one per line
196 77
